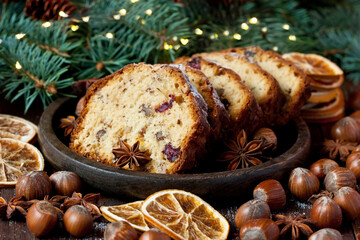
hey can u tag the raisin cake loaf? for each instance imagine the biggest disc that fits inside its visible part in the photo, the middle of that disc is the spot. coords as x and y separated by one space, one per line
244 112
265 88
293 82
155 105
218 117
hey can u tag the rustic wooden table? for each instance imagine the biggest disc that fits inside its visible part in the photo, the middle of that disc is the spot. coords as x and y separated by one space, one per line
14 230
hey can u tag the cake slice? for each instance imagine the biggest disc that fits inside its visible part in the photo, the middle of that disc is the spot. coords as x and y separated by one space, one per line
155 105
293 82
265 88
218 117
240 103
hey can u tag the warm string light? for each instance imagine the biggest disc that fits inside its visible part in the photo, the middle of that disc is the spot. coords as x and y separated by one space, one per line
143 21
214 36
117 17
46 24
74 28
134 1
253 20
184 41
244 26
198 31
275 48
226 33
18 65
175 38
176 47
237 36
264 29
286 27
86 19
122 12
167 46
63 14
292 37
109 35
148 12
20 36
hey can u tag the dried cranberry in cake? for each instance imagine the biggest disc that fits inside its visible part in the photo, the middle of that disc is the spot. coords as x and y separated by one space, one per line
195 63
162 107
171 153
166 105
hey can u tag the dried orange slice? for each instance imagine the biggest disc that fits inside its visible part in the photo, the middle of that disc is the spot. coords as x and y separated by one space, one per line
323 96
16 159
129 212
313 64
183 215
16 128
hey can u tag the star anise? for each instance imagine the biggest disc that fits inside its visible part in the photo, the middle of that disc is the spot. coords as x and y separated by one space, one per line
129 155
88 201
16 205
299 225
323 193
242 152
69 123
56 201
338 148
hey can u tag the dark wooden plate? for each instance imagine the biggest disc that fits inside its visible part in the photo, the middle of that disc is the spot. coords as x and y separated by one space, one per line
294 146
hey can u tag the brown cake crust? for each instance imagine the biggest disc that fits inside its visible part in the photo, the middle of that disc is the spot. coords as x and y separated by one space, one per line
194 142
295 98
218 117
249 116
265 88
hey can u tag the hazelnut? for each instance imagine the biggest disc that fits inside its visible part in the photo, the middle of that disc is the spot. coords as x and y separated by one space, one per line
65 183
78 221
353 164
33 185
339 177
269 137
41 218
154 234
303 183
349 201
326 234
252 209
326 213
347 129
262 228
272 193
120 231
321 167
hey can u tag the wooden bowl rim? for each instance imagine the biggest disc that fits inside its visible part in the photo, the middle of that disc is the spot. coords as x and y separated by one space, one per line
46 132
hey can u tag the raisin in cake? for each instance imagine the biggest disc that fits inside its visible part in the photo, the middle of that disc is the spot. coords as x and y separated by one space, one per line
244 112
293 82
265 88
218 117
155 105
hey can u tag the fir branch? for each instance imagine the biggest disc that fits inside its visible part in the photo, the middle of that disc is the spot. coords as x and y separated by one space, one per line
53 38
147 32
31 72
102 58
